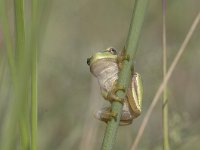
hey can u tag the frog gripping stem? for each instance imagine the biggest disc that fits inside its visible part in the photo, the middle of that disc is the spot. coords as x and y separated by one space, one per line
113 115
112 95
125 70
122 57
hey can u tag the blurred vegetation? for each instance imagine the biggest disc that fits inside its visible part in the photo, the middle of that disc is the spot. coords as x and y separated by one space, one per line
68 94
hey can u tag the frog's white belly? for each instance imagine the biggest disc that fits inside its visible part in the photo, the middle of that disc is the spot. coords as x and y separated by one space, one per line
108 76
106 71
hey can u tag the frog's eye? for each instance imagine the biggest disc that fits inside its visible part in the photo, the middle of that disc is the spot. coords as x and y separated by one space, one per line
112 51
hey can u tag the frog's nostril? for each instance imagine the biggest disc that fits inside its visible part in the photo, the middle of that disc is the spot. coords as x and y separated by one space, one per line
88 61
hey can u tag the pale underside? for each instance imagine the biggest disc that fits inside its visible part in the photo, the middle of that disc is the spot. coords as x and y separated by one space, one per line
106 71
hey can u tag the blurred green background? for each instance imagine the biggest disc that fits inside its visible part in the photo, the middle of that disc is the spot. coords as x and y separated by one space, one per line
68 94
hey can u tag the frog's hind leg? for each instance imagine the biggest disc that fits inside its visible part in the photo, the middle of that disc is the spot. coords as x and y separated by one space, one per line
134 94
137 82
126 116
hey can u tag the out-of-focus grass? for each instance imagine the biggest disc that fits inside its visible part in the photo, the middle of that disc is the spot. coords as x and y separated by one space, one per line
78 29
19 125
165 112
166 79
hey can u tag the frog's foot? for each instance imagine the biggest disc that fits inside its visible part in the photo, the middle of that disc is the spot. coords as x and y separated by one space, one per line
112 94
122 57
106 114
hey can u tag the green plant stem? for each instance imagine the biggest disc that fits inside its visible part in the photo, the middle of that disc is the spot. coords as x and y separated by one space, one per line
165 97
24 123
34 104
21 64
19 30
7 37
20 59
8 126
125 72
34 75
15 114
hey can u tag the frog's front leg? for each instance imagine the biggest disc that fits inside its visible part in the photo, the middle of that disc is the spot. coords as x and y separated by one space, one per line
111 95
122 57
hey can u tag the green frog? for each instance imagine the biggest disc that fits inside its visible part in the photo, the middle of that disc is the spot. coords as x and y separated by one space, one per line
105 66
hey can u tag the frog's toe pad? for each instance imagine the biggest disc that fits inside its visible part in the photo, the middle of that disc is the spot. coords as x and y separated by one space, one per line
104 114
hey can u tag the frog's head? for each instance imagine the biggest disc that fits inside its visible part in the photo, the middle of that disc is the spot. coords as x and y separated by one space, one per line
109 53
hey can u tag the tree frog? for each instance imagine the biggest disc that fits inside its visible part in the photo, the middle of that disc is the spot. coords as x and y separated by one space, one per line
105 66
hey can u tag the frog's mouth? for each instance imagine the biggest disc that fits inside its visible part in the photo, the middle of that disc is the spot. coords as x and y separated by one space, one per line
88 61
